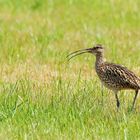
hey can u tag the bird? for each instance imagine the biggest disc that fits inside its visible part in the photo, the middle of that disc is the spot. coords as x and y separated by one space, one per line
113 76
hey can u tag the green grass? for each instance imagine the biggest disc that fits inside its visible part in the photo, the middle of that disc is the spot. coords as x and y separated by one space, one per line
44 97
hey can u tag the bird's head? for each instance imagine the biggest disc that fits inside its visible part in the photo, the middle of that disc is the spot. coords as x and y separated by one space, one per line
97 49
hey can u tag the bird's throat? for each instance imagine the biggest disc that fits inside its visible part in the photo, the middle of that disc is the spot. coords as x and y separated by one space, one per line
99 60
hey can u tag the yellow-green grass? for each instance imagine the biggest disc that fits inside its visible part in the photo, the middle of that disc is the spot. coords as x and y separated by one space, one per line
45 97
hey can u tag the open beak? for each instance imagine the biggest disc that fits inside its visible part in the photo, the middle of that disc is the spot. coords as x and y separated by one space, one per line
79 52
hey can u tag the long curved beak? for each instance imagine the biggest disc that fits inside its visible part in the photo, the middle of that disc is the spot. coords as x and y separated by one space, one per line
79 52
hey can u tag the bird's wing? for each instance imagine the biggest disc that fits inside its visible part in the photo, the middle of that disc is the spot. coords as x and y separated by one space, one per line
122 75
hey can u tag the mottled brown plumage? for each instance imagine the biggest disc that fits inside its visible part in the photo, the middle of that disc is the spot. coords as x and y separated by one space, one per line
113 76
117 77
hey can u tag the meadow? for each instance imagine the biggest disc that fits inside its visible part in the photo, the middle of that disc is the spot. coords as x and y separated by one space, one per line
44 97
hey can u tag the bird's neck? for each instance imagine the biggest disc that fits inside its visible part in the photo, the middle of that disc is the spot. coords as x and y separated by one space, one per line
99 59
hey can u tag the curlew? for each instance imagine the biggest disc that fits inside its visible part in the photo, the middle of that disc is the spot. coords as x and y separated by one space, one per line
113 76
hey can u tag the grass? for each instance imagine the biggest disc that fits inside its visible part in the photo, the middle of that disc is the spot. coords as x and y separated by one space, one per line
43 96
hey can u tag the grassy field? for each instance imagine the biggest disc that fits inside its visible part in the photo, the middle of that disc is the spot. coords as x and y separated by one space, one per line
42 96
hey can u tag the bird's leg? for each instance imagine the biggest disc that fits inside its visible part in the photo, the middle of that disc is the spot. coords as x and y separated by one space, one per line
117 99
136 93
102 92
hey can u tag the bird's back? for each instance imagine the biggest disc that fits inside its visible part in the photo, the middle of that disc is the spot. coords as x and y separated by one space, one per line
117 77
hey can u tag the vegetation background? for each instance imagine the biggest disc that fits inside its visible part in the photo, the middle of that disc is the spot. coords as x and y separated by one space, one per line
42 96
